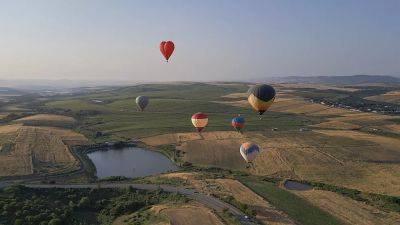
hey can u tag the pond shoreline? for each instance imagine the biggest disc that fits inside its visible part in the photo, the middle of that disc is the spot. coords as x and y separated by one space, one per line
159 160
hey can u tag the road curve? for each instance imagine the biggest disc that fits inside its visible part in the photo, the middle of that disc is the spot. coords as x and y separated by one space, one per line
206 200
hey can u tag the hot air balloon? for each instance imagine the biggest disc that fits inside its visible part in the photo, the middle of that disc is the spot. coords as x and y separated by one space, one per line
238 123
249 151
166 48
261 97
199 121
142 102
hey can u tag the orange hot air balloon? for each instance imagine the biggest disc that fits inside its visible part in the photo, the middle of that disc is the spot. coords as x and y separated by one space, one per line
167 48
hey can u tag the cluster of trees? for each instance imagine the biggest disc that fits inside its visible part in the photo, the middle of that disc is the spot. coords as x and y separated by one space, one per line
241 206
22 205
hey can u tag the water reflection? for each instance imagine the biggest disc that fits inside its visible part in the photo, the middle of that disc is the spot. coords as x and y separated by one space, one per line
130 162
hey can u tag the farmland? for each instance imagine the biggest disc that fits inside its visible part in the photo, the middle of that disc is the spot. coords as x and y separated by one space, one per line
306 143
27 150
391 97
47 119
350 211
300 138
297 208
265 212
188 214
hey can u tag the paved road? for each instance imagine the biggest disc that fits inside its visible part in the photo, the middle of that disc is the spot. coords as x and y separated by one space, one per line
208 201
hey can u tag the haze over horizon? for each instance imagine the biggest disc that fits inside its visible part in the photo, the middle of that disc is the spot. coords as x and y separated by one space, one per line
215 40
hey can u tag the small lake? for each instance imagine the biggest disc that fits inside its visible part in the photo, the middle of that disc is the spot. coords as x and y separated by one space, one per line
130 162
293 185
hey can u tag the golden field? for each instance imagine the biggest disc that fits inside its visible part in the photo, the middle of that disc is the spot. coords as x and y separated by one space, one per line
344 158
189 214
27 150
349 210
183 214
390 97
334 151
266 213
47 117
394 128
316 86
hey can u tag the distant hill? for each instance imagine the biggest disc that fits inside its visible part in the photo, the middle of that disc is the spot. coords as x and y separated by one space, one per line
58 85
10 91
338 80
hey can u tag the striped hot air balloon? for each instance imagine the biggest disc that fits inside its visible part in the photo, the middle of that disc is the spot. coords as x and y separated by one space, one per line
261 97
142 102
238 123
249 151
199 121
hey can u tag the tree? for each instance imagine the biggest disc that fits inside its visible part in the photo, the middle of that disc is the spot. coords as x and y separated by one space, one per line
55 221
84 202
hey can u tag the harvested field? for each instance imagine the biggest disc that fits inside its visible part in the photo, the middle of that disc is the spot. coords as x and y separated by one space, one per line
318 86
373 169
388 146
17 159
338 125
348 210
287 103
69 137
219 147
221 153
9 128
165 139
236 95
188 214
354 160
390 97
297 105
363 117
394 127
266 213
47 120
36 150
332 112
189 176
48 117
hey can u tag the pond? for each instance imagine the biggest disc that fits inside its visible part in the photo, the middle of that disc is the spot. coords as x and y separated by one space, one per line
130 162
293 185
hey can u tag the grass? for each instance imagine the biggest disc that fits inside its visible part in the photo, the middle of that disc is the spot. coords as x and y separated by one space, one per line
300 210
169 111
396 120
227 218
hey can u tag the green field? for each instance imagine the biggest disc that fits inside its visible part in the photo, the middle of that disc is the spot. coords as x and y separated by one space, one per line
300 210
169 111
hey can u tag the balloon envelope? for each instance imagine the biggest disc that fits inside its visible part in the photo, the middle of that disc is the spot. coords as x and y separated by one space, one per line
261 97
199 121
167 48
238 123
142 102
249 151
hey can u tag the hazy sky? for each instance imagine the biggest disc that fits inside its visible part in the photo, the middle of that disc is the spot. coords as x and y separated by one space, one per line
215 40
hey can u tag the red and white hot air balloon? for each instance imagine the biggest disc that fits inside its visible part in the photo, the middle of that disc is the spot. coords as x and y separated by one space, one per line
167 48
199 121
